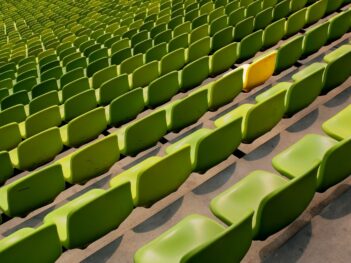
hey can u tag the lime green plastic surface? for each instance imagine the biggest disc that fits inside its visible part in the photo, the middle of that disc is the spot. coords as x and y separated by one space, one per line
339 126
223 58
10 136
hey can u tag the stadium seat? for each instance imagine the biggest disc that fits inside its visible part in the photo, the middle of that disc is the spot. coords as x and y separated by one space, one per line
168 172
84 128
80 62
75 87
339 25
25 85
222 38
37 150
316 11
257 118
28 243
333 6
295 22
199 239
130 64
181 41
264 194
243 28
223 59
174 60
13 114
44 87
281 9
71 76
90 216
44 101
210 147
10 136
314 39
17 98
250 45
27 193
90 161
194 73
199 48
289 53
55 72
97 65
338 126
145 74
263 18
142 133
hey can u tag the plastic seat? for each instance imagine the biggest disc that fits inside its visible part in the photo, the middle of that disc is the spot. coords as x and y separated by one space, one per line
314 39
338 67
121 55
264 194
210 147
80 62
333 6
10 74
145 74
119 45
97 65
131 102
253 8
263 18
289 53
84 128
162 89
112 88
17 98
28 243
27 74
199 48
243 28
55 72
10 136
78 104
44 101
223 59
295 22
273 33
186 111
198 33
250 45
259 71
236 16
198 239
37 150
339 25
218 24
71 76
90 216
151 171
40 121
316 11
338 126
330 155
302 92
174 60
156 52
194 73
25 85
222 38
257 118
12 114
44 87
130 64
27 193
75 87
281 9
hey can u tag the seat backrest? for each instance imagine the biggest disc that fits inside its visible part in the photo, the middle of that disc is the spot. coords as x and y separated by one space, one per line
316 11
156 52
295 22
243 28
143 75
223 58
55 72
79 104
289 53
44 87
199 48
25 85
71 76
333 5
17 98
263 18
12 114
339 25
194 73
97 65
10 136
75 87
121 55
80 62
174 60
113 88
281 9
132 63
43 101
315 38
250 45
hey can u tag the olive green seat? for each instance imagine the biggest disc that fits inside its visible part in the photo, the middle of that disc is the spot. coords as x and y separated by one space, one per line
222 38
236 16
91 160
55 72
44 101
186 111
40 121
223 59
121 55
80 62
44 87
112 88
130 64
119 45
97 65
156 52
225 89
125 107
315 38
32 191
28 243
199 48
295 22
194 73
273 33
263 18
199 239
174 60
210 146
142 133
27 74
338 67
13 114
103 75
243 28
161 90
71 76
10 136
306 87
75 87
145 74
91 215
84 128
37 150
167 172
25 85
181 41
275 201
289 53
339 25
253 8
17 98
78 104
316 11
333 5
339 126
250 45
281 9
257 118
9 74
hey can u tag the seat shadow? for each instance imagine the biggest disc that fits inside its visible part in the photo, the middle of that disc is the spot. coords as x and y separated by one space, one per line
103 255
305 122
339 208
160 218
263 150
339 99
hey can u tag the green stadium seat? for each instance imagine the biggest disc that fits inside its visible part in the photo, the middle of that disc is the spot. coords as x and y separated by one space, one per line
17 98
210 146
131 102
49 66
71 58
316 11
295 22
338 67
263 18
98 54
194 73
10 136
78 104
119 45
44 101
314 39
338 127
27 193
91 160
40 121
306 87
186 111
200 21
44 87
27 74
71 76
37 150
253 8
174 60
218 24
182 29
144 74
80 62
90 216
26 85
26 67
84 128
223 59
97 65
103 75
161 90
289 53
142 133
13 114
339 25
296 5
257 118
243 28
156 52
198 33
75 87
281 9
199 239
333 5
112 88
222 38
28 243
250 45
199 48
143 46
130 64
55 72
151 171
273 33
264 194
236 16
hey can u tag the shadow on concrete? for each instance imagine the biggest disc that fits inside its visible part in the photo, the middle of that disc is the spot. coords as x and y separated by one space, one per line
305 122
104 254
264 150
339 99
339 208
160 218
215 182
